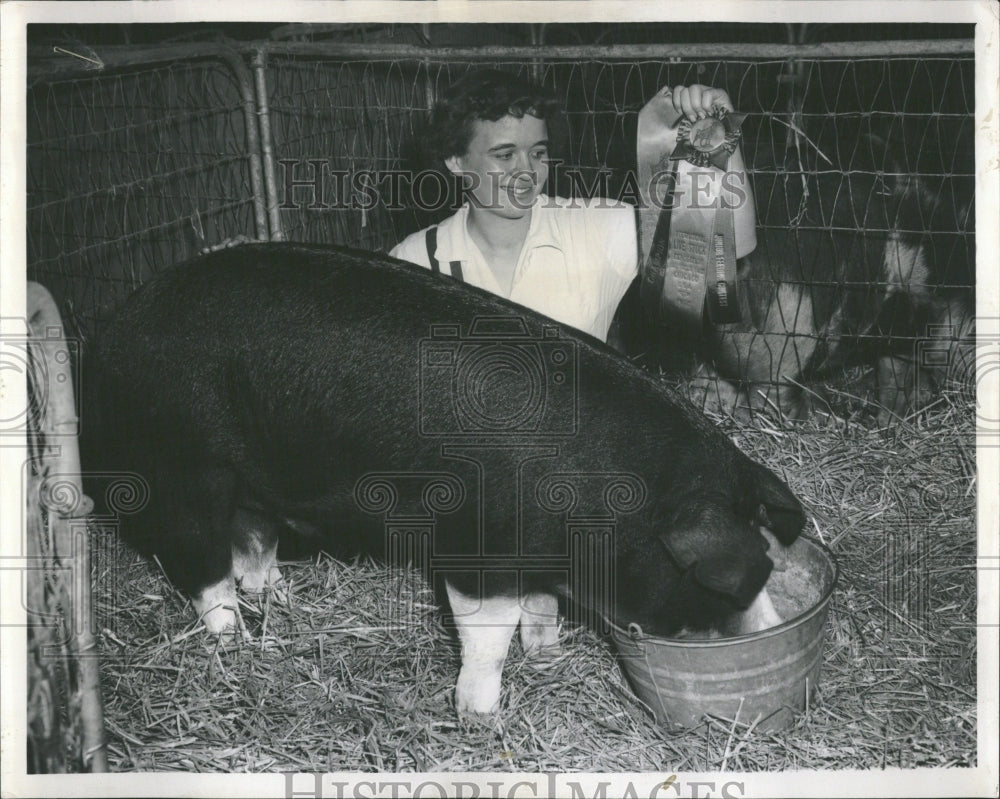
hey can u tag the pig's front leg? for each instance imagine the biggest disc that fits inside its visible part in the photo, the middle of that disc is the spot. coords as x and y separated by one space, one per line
485 627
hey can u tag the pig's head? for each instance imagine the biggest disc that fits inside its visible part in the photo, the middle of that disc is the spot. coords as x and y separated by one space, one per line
707 561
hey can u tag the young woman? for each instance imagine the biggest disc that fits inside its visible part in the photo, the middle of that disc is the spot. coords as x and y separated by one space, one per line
571 260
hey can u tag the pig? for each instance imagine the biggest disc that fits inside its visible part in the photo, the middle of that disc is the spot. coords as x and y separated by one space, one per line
290 390
864 263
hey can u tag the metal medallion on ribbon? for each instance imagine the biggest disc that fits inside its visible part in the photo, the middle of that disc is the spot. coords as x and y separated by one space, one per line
709 141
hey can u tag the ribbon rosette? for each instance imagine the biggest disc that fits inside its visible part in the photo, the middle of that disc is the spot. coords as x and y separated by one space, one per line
691 242
709 141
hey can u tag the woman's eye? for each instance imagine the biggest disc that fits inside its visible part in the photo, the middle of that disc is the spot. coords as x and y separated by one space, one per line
538 155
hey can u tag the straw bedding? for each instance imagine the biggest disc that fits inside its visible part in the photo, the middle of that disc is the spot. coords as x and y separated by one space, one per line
355 669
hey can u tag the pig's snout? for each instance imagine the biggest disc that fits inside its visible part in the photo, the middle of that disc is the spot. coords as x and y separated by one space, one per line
761 615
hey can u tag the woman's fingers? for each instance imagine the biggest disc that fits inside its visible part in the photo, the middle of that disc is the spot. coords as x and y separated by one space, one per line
698 101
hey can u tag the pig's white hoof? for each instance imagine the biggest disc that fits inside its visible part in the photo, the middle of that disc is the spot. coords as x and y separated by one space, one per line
216 607
219 620
477 696
256 582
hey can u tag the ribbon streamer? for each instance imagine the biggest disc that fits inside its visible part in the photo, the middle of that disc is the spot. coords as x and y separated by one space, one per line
697 214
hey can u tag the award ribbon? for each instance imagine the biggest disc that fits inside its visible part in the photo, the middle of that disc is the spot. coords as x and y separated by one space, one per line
697 218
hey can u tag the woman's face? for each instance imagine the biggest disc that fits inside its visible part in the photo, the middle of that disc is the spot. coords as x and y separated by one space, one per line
506 164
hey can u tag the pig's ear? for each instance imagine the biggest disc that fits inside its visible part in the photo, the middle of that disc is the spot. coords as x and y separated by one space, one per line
785 517
724 555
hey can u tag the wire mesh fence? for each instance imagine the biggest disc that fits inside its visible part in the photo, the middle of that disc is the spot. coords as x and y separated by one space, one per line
371 114
131 172
140 165
136 169
846 155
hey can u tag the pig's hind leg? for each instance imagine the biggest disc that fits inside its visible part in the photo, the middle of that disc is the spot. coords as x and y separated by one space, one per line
539 622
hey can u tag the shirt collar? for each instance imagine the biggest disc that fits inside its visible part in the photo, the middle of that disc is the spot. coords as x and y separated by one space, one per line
454 243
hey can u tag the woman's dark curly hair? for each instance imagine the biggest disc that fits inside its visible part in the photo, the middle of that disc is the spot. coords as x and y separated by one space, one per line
484 94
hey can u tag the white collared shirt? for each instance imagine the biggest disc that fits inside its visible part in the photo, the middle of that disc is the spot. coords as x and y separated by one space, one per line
578 259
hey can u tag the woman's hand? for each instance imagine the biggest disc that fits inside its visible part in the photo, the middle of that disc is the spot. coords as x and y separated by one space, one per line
697 101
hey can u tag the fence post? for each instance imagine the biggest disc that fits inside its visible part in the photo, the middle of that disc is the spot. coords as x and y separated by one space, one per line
244 81
267 143
57 415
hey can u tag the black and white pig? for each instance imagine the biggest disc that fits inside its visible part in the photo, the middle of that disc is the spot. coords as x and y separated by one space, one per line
860 259
282 388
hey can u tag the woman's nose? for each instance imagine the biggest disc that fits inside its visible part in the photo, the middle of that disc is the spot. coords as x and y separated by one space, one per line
523 164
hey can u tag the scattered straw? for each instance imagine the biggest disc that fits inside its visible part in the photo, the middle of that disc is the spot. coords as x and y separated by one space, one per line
356 671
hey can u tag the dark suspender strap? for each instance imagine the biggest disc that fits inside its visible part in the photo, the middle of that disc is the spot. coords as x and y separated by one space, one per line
651 290
432 239
432 245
